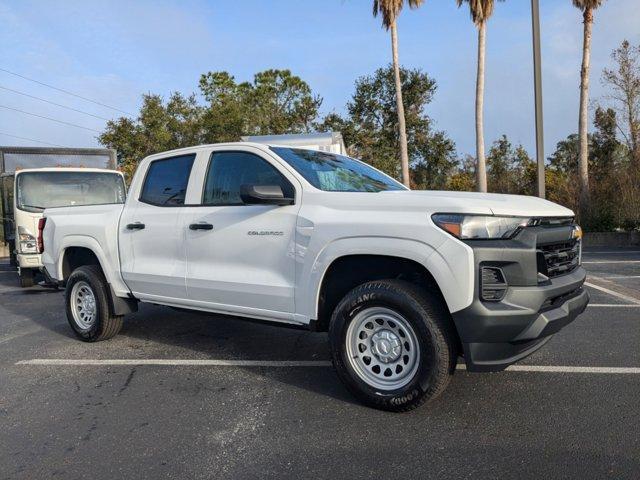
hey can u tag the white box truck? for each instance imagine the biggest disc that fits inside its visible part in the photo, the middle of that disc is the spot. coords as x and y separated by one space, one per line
34 179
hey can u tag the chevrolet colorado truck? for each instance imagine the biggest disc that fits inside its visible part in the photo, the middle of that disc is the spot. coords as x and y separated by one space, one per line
404 282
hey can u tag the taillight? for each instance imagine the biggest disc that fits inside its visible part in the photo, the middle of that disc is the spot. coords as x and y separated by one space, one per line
41 224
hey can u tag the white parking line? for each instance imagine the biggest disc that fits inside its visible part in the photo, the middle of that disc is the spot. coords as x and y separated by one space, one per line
606 262
292 363
613 305
620 277
12 336
177 362
565 369
621 296
604 252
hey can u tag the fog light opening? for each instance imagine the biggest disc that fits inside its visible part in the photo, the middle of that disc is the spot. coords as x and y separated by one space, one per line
493 284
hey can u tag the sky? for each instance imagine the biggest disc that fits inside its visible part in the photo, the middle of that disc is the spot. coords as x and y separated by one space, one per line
114 51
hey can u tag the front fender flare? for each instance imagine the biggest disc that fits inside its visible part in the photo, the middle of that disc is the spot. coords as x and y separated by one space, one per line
450 264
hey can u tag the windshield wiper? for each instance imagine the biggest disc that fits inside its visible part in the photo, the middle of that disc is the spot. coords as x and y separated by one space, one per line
33 206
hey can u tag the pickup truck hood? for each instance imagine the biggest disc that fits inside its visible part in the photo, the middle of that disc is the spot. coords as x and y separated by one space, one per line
429 201
495 203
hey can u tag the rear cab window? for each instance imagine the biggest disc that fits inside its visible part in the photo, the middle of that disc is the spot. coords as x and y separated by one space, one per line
166 181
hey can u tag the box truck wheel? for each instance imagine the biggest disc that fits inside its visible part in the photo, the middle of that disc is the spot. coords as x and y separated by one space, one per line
26 277
13 257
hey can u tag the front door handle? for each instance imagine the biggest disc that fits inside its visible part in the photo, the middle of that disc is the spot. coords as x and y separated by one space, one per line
200 226
135 226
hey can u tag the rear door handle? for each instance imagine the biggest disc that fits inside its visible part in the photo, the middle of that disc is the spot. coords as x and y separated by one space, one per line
135 226
200 226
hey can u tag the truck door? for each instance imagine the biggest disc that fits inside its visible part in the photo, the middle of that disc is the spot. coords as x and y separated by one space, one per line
241 258
152 253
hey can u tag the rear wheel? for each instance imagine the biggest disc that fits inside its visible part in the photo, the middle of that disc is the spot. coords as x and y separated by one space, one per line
26 277
88 305
392 344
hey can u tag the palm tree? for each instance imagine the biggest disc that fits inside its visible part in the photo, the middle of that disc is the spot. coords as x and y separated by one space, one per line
587 7
480 10
389 10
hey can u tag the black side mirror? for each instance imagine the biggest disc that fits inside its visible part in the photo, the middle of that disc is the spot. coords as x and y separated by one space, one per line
264 195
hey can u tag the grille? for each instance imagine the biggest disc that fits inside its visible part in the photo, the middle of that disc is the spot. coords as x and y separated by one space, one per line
558 258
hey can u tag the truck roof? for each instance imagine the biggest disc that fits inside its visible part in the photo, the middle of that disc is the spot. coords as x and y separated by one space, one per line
67 169
261 146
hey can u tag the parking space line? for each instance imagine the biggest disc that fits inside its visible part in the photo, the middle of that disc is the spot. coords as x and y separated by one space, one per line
621 296
604 252
566 369
614 305
619 277
12 336
606 262
177 362
293 363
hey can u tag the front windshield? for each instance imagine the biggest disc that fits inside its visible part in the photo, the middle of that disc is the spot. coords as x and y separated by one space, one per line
336 173
36 191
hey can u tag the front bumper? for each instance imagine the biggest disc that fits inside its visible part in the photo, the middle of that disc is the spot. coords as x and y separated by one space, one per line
496 334
29 260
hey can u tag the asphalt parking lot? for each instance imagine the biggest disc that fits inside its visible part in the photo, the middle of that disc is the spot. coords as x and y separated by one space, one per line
180 395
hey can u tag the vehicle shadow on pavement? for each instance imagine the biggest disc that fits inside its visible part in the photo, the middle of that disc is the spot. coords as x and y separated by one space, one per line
163 332
222 337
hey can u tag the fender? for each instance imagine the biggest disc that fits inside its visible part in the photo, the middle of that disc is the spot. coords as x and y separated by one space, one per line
110 264
450 263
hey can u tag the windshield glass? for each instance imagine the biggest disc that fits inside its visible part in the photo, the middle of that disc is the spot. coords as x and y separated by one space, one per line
36 191
336 173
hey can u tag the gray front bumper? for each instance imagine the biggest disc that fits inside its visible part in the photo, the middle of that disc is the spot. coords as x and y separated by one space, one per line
497 334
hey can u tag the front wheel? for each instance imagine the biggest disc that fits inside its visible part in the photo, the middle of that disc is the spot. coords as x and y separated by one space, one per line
88 306
392 344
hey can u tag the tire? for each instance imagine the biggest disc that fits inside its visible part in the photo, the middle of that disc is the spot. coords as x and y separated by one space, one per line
26 278
410 337
91 319
13 257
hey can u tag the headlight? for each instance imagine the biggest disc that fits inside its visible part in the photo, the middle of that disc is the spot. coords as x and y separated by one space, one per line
470 227
27 241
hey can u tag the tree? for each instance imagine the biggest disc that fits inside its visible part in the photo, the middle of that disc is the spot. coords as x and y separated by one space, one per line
370 130
274 102
160 126
624 82
607 154
389 10
481 11
464 179
587 7
613 192
510 170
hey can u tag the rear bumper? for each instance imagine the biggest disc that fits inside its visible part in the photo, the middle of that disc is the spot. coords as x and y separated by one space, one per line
496 334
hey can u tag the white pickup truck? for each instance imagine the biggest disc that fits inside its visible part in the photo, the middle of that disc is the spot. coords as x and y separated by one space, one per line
404 281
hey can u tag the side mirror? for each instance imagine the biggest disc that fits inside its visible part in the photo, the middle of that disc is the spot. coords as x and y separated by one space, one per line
264 195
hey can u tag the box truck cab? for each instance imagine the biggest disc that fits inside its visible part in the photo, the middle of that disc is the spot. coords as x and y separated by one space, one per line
38 189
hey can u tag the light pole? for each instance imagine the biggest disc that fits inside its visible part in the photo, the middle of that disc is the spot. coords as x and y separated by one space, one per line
537 81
